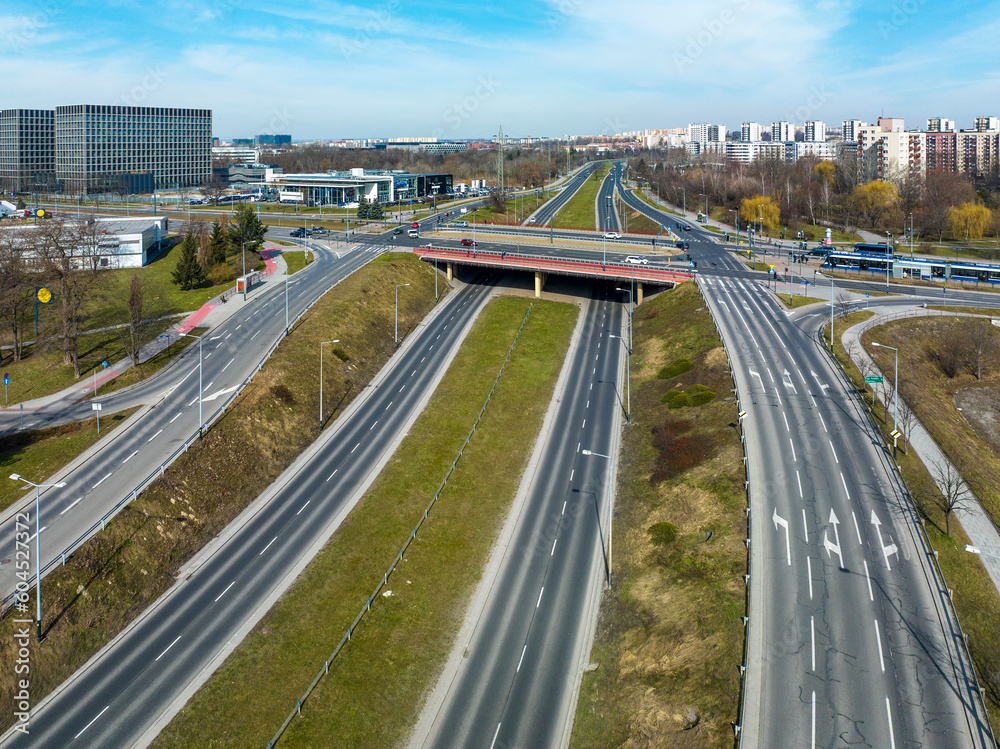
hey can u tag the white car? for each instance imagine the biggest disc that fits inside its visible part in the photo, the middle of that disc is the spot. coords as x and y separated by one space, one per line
612 235
636 260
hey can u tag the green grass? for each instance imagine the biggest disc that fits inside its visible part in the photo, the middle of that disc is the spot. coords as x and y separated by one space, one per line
515 214
670 635
39 454
296 259
374 688
652 202
578 213
121 571
799 301
975 596
991 311
635 222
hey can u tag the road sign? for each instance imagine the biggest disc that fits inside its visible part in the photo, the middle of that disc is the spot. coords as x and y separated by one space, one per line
96 406
43 294
873 380
6 379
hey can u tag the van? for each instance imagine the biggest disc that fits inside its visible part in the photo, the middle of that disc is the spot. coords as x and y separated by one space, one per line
413 233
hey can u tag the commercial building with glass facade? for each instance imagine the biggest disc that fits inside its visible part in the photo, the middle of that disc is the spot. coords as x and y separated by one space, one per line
104 148
27 150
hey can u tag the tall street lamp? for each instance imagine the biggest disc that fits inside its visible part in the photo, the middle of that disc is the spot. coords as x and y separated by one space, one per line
243 251
200 370
895 385
321 345
611 506
38 544
976 550
398 287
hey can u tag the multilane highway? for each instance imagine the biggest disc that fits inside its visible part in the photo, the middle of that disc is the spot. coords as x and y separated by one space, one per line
132 689
516 685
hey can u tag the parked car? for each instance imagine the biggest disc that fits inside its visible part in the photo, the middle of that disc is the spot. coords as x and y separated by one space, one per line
636 260
468 243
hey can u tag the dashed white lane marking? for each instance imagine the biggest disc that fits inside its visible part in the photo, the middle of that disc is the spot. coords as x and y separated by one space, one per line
844 482
32 536
794 460
225 591
856 528
823 422
71 506
521 660
786 421
869 579
268 545
539 601
168 648
355 448
130 457
553 546
102 481
878 639
106 709
373 425
836 459
304 506
175 418
571 474
799 480
892 736
809 569
812 638
227 366
564 508
155 436
254 335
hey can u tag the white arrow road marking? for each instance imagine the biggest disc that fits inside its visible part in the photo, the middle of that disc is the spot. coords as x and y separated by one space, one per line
822 387
778 520
889 550
755 373
834 547
224 391
787 379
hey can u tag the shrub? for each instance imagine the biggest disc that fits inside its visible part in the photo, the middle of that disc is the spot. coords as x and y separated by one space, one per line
663 534
679 367
696 395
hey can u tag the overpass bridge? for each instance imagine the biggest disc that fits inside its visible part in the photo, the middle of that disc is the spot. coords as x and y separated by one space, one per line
544 265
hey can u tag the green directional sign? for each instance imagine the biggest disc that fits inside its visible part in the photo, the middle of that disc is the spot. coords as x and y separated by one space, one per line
873 380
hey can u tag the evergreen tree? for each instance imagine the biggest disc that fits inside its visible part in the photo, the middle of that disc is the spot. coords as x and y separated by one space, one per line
376 211
363 208
189 272
247 227
219 244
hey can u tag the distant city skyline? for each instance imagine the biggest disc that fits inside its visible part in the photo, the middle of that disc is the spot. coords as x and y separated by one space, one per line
331 70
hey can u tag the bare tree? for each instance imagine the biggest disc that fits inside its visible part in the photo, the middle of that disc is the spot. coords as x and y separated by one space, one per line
134 312
983 343
907 416
16 292
843 300
952 494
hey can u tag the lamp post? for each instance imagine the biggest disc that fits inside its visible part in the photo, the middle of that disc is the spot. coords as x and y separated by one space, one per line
200 362
976 550
286 294
611 506
243 251
38 544
321 345
895 385
398 287
831 314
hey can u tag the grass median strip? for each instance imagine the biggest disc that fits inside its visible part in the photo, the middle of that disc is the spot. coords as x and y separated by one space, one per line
39 454
122 570
373 691
669 641
578 213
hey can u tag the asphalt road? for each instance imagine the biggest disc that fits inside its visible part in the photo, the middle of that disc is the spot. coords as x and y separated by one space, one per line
607 214
139 681
517 685
548 211
230 352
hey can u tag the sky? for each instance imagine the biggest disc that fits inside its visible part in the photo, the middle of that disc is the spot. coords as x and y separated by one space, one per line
450 69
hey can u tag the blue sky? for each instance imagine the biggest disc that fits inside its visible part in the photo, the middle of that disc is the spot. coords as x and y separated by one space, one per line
461 69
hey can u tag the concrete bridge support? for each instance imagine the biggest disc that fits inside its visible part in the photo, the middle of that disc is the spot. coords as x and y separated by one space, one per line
638 293
451 271
539 283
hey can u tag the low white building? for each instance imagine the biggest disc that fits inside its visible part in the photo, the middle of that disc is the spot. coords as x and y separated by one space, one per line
116 241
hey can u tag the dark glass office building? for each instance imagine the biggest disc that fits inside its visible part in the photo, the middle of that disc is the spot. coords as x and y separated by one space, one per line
103 148
27 150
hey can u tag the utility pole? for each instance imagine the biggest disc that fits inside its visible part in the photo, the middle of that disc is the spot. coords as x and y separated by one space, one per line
500 175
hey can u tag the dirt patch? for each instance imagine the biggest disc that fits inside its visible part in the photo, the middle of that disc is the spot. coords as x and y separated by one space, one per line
981 408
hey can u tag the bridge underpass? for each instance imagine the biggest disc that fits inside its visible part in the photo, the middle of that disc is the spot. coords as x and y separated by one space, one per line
543 266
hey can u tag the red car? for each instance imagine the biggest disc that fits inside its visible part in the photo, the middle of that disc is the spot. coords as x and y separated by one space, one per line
468 243
415 225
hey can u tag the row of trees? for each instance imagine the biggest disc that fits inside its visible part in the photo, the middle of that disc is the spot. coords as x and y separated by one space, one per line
832 193
210 254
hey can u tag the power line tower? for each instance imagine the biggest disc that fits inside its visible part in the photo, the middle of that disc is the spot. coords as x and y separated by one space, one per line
500 177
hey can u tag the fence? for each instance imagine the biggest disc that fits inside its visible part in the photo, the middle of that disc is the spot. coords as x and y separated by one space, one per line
909 503
100 525
738 726
297 710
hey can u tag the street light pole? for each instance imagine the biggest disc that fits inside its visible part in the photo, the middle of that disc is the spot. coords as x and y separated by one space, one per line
243 251
398 286
831 314
611 506
38 544
895 385
976 550
321 345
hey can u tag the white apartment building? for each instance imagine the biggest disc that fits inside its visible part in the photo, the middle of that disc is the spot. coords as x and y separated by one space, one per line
750 132
820 149
782 131
940 125
987 124
746 152
850 130
704 133
815 131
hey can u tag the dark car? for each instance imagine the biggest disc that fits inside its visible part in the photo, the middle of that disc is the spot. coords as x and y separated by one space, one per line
680 244
318 230
685 227
397 230
468 243
300 232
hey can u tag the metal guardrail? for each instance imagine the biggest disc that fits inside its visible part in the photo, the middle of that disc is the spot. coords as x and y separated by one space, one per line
543 232
297 710
911 508
549 264
100 525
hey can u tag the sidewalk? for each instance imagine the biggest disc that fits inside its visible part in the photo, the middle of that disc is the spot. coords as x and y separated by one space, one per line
974 520
210 315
